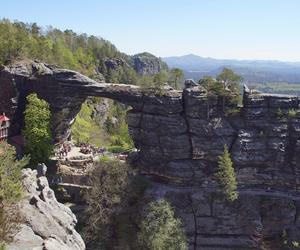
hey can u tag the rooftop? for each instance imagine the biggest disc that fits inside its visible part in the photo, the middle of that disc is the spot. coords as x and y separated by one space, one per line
3 118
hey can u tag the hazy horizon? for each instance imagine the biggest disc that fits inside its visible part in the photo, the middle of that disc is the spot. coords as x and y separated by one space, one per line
237 59
232 29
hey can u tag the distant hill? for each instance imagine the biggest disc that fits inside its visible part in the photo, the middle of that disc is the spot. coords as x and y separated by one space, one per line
252 70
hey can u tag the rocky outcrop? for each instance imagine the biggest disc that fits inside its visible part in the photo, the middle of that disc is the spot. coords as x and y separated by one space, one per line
147 64
47 224
64 90
179 136
115 63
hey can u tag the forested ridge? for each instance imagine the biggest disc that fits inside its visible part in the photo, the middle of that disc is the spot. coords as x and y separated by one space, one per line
80 52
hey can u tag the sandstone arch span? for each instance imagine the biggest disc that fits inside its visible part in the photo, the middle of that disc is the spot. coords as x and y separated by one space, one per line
180 135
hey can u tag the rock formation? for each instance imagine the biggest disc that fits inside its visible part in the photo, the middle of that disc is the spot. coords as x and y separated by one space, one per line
147 64
48 224
179 136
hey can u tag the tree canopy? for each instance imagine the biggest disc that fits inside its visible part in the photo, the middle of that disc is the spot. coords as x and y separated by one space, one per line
226 176
105 201
176 77
160 230
226 84
67 49
37 133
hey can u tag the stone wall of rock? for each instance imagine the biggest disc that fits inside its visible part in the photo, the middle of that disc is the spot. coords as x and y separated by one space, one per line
179 136
180 139
147 64
47 224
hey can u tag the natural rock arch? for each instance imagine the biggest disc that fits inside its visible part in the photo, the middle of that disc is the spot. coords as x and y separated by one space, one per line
180 135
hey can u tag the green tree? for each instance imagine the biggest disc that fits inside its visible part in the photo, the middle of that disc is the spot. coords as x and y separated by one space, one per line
37 133
145 82
160 230
105 200
176 76
231 84
230 80
226 85
226 176
159 80
10 191
212 86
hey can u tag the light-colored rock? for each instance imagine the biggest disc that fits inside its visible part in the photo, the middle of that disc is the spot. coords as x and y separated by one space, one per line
47 224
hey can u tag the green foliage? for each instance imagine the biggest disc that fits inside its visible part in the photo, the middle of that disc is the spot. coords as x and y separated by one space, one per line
160 230
10 190
154 84
212 86
232 112
146 82
112 133
117 127
117 149
85 129
105 200
66 49
226 85
37 133
230 80
113 205
279 113
295 244
104 159
226 176
159 80
292 113
176 77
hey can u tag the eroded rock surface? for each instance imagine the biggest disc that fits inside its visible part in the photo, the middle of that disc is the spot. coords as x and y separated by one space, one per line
48 224
179 136
147 64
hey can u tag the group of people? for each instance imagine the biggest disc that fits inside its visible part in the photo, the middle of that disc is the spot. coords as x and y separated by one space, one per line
64 149
86 148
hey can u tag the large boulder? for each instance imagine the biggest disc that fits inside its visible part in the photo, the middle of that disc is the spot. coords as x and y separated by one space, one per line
47 224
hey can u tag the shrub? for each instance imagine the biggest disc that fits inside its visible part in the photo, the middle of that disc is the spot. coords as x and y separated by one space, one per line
292 114
226 176
117 149
10 191
160 229
279 113
295 244
232 112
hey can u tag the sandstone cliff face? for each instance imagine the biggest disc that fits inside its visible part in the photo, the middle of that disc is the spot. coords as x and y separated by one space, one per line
146 64
179 136
48 224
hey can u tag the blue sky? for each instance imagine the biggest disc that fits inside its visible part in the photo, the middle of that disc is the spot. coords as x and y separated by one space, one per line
242 29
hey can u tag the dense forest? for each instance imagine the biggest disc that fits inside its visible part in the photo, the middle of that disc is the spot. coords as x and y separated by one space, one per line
80 52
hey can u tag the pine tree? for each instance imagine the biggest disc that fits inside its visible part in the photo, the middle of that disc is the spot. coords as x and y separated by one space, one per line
226 176
160 230
37 134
